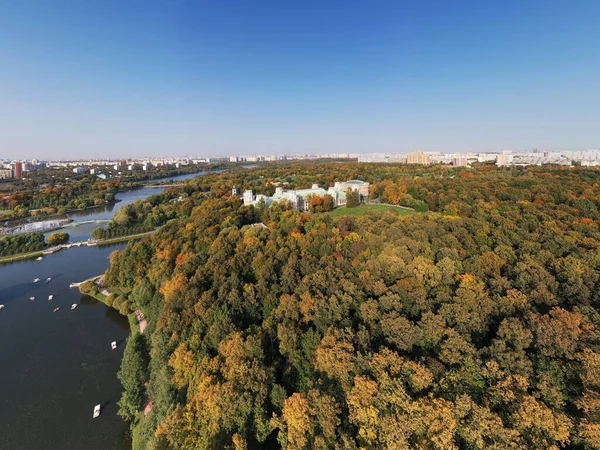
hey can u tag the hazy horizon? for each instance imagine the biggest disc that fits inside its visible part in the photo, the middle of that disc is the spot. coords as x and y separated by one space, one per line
160 78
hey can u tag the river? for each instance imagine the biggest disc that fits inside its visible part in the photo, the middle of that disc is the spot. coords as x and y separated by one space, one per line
85 221
55 367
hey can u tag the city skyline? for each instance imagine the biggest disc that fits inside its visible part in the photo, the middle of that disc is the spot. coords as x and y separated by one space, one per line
137 79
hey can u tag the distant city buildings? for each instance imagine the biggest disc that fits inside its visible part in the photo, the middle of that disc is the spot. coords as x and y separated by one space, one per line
460 161
17 170
418 157
300 198
587 158
505 159
382 158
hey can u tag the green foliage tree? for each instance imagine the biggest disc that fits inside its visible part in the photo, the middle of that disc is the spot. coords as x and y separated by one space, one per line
352 198
124 308
58 238
21 243
133 374
110 299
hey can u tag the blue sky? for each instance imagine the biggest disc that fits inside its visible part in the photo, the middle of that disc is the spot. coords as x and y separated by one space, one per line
161 77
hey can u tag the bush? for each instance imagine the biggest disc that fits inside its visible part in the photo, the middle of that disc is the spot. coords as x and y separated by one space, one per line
58 238
124 308
87 287
118 301
98 233
110 300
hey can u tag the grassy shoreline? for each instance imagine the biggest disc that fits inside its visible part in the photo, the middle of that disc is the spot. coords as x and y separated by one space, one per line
131 318
20 256
128 237
116 240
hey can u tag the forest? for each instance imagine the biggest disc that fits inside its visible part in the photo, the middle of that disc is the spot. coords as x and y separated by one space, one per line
471 325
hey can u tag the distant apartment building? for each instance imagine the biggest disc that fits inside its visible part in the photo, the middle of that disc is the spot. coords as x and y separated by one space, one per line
17 170
5 174
300 198
418 157
506 158
79 170
460 161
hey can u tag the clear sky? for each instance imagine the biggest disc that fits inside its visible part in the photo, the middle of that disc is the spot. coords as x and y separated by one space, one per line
217 77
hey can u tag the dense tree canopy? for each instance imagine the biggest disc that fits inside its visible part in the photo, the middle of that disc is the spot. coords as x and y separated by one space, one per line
21 243
58 238
472 326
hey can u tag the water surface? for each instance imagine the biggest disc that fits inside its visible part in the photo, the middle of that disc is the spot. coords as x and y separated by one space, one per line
55 367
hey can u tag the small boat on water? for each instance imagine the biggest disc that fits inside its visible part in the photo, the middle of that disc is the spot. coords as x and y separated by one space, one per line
1 307
36 280
96 411
72 285
74 305
50 297
56 309
48 280
31 298
39 258
113 345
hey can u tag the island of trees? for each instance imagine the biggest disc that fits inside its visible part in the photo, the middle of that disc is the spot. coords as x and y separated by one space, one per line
471 325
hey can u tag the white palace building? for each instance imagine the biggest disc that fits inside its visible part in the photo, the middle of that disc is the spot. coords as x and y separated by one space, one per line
300 198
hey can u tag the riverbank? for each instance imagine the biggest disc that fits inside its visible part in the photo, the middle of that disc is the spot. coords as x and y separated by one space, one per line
102 295
103 242
20 256
58 216
129 237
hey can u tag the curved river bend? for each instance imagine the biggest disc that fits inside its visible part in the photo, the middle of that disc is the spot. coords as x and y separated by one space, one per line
55 367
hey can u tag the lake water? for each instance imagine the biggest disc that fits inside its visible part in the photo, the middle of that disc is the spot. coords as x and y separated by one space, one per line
55 367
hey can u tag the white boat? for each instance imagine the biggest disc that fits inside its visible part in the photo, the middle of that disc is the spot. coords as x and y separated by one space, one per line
36 280
113 345
48 280
72 285
56 309
39 258
1 307
74 305
31 298
96 411
50 297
